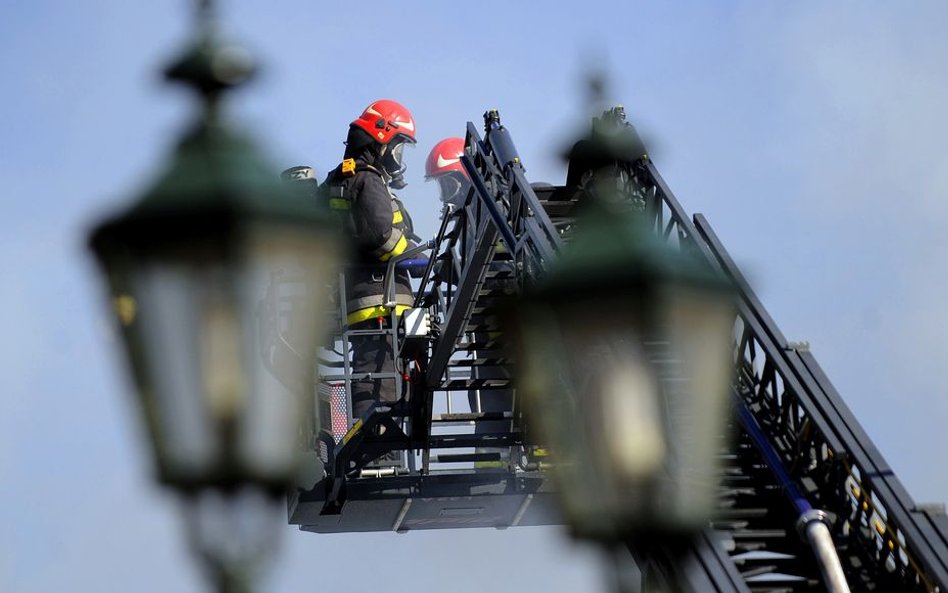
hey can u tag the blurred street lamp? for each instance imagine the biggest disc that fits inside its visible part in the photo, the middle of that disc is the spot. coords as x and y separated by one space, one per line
625 353
187 266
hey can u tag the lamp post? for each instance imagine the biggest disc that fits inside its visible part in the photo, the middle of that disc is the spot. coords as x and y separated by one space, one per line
188 265
625 353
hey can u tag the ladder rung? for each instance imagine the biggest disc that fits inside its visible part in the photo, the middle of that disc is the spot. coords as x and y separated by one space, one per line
494 296
737 513
467 384
473 326
471 416
754 534
483 348
459 457
483 372
479 362
500 439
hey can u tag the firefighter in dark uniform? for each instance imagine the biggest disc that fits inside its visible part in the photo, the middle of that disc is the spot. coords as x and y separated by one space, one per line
359 189
443 165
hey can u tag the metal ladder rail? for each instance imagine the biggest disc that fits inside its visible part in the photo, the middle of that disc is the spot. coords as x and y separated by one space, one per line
526 229
794 395
506 209
473 258
703 567
874 511
470 244
441 269
670 223
503 210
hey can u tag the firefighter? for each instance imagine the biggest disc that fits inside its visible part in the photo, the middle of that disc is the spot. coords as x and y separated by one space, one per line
444 166
359 189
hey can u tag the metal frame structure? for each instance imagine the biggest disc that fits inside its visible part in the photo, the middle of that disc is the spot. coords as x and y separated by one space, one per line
800 461
467 281
813 448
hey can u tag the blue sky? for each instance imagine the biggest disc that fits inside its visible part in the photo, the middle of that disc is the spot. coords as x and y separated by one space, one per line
812 136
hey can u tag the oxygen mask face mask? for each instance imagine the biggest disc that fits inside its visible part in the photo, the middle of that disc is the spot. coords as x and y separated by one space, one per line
392 162
453 189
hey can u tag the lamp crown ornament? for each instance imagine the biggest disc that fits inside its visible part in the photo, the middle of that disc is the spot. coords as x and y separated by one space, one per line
211 67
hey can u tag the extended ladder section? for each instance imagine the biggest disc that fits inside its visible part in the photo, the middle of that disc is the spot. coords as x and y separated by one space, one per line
798 457
481 270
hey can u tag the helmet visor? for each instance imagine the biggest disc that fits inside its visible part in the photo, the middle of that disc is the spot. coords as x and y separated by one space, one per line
453 188
393 160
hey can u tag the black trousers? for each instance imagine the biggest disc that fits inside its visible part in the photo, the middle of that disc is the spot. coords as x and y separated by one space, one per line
372 354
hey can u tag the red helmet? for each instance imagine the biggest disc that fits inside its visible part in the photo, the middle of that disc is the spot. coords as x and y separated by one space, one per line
386 120
445 157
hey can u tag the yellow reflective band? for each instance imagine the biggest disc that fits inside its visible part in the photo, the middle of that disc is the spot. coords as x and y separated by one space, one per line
397 250
397 217
352 431
339 204
373 312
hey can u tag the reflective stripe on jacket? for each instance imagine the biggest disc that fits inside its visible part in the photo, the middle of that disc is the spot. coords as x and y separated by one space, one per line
380 226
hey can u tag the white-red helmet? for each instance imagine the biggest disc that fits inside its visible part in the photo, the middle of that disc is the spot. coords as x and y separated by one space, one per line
445 157
385 120
444 166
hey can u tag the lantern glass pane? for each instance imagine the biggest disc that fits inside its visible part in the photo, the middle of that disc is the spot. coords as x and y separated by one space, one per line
630 395
282 291
698 327
168 302
222 343
592 395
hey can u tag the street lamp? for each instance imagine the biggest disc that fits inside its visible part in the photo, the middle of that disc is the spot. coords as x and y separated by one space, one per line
625 353
188 267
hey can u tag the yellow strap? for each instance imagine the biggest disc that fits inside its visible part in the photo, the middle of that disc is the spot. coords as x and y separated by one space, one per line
397 217
373 312
489 464
339 204
397 250
352 431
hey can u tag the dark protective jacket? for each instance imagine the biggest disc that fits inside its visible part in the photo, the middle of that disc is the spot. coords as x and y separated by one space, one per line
380 227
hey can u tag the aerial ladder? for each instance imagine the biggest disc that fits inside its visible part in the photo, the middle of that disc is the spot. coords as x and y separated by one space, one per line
806 500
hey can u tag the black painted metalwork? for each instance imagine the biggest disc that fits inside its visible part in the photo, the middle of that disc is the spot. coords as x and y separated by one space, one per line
813 454
885 541
473 271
